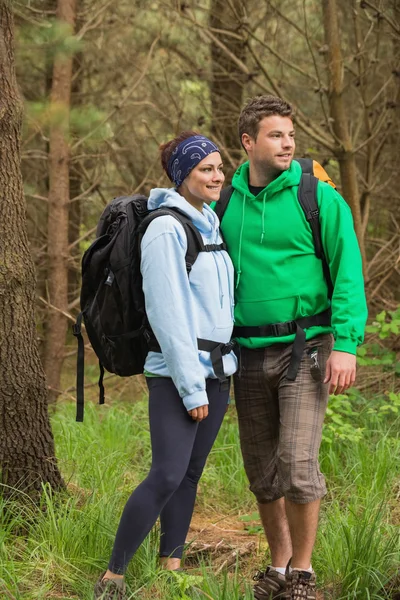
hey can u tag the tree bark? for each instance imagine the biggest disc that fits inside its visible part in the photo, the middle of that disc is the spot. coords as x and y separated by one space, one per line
58 209
26 442
228 79
340 125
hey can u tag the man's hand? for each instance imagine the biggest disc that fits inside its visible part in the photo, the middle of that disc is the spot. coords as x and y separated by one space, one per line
199 413
340 371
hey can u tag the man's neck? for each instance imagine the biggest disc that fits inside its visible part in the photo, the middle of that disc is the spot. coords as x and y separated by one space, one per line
262 176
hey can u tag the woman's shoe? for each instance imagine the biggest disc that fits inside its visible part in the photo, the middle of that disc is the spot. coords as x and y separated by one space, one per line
109 589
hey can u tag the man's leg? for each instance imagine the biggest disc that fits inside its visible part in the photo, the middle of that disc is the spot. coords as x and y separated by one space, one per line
303 524
257 404
276 528
302 408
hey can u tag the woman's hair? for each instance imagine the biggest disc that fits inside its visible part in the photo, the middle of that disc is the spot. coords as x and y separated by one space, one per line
167 149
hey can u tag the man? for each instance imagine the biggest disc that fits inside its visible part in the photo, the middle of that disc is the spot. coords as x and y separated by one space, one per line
287 371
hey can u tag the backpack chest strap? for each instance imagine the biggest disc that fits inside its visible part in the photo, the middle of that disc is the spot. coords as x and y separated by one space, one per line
216 349
214 247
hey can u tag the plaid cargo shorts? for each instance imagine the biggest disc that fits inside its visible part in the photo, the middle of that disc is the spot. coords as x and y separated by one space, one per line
280 421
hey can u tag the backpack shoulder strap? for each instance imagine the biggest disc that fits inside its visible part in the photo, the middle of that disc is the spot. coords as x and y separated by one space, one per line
307 197
195 242
223 202
306 165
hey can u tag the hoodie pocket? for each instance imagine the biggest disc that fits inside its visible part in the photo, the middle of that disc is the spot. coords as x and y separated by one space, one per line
267 311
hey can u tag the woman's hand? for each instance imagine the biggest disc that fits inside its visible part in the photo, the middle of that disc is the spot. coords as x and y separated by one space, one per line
199 413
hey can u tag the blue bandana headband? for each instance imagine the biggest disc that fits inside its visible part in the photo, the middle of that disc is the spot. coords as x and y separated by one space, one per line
187 155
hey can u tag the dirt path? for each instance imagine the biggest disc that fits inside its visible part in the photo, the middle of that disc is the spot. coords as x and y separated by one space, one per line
226 540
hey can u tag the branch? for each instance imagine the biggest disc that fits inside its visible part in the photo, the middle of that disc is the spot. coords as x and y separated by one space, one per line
377 130
380 251
89 385
384 279
289 21
301 119
380 15
36 11
74 303
375 98
67 315
37 197
90 189
94 21
83 237
31 20
129 93
286 62
320 85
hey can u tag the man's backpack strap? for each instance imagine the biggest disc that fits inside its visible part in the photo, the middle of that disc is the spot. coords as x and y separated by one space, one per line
223 202
307 196
307 165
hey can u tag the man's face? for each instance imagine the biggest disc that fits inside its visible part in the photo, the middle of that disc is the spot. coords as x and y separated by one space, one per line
273 149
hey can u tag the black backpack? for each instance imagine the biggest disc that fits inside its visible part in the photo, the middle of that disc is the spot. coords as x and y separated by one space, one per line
112 299
307 197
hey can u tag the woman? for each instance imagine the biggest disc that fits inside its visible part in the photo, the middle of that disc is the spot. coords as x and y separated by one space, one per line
187 402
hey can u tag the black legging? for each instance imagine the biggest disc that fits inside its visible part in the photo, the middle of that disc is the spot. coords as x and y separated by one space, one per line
180 447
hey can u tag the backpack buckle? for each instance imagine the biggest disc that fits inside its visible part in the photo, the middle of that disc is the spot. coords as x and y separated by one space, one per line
76 329
313 214
227 348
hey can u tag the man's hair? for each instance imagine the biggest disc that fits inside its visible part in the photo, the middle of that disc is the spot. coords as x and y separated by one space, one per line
167 149
257 109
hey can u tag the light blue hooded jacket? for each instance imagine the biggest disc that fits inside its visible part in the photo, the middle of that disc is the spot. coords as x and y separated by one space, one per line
181 309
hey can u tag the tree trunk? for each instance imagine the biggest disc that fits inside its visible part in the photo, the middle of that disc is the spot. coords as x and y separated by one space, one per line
75 207
227 78
339 114
58 207
26 442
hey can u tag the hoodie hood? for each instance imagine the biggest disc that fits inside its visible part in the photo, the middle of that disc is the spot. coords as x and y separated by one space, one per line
286 179
206 221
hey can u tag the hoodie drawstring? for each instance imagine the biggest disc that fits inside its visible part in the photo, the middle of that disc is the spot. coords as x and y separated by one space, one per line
230 284
239 271
220 288
263 220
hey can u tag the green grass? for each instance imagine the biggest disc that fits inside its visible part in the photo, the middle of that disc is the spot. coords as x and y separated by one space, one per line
58 551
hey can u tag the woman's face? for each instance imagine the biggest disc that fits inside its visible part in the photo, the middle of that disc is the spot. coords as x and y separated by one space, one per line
204 182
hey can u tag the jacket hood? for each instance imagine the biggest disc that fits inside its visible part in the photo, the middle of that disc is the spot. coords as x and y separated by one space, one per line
206 221
286 179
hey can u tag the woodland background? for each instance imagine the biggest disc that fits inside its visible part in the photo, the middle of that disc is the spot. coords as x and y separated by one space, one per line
93 88
105 83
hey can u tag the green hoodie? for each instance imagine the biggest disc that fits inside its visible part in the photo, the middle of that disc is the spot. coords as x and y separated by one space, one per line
278 276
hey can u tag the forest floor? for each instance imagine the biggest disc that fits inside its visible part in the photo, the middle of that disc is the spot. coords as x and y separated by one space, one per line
58 552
